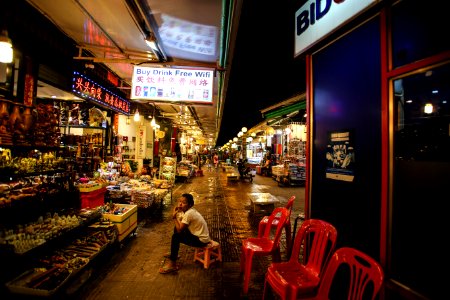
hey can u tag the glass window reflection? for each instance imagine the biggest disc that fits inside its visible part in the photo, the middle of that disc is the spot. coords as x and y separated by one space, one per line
423 116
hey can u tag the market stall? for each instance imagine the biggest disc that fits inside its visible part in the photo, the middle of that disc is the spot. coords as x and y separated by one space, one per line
142 192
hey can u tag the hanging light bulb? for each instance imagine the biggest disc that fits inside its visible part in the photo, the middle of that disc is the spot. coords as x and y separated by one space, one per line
153 122
137 117
428 109
128 120
6 51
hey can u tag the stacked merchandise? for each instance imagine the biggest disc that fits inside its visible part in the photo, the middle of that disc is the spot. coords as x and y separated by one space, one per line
70 253
46 130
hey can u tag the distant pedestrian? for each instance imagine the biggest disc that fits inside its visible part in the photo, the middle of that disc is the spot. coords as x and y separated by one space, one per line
208 164
216 160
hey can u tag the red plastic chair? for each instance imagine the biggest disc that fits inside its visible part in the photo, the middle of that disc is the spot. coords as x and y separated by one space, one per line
363 276
313 246
268 244
287 227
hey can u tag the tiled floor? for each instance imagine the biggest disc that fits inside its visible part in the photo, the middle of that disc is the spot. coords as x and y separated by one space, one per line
130 270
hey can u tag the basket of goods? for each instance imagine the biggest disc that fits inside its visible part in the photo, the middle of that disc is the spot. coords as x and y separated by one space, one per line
39 281
142 199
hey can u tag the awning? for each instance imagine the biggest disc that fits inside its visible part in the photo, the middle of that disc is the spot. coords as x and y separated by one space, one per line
285 110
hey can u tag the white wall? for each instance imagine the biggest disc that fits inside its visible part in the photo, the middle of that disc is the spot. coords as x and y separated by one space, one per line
131 131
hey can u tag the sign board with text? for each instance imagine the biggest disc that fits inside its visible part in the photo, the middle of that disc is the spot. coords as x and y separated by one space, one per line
88 89
315 19
172 84
140 142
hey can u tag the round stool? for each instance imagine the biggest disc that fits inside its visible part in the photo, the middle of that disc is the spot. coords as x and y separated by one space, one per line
209 254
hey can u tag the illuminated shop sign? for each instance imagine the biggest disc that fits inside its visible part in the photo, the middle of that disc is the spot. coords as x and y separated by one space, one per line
187 40
90 90
317 18
170 84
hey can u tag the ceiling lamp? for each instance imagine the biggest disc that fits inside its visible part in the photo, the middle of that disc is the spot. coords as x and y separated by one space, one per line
6 51
137 117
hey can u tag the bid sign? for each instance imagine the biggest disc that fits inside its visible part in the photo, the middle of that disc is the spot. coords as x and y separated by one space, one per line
318 18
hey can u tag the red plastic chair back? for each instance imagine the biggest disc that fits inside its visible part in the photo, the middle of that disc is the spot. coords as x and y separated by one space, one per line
279 215
265 220
364 276
301 275
268 244
290 204
317 239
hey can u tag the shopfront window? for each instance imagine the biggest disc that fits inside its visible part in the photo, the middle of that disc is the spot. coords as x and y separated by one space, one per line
421 178
423 116
414 35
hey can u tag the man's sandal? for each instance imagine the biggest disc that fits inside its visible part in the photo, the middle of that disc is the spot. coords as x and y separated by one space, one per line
168 269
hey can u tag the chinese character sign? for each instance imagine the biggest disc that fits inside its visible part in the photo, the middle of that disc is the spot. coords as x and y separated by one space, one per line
188 40
90 90
140 142
168 84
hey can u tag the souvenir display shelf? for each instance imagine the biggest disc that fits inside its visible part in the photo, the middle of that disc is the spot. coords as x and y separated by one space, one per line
168 168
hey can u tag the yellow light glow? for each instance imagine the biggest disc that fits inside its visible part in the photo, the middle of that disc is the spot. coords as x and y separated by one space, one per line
137 117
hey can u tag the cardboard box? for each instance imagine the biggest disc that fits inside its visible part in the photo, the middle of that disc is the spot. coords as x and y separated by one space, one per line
126 222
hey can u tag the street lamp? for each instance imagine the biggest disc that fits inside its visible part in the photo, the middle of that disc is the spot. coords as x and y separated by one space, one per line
244 145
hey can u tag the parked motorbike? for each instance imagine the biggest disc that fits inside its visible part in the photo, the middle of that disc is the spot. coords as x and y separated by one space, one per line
244 171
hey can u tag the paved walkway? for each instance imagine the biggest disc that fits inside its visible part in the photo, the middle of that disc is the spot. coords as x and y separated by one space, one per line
130 271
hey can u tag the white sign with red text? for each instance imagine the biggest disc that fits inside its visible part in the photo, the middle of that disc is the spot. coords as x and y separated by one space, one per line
172 84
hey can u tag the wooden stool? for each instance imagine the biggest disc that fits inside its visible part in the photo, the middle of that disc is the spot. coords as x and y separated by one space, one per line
209 254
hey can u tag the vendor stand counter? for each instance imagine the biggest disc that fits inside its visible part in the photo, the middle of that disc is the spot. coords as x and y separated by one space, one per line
142 194
229 169
126 222
93 198
262 201
145 199
233 176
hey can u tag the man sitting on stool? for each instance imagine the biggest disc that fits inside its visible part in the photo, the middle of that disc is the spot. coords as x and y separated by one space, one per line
243 168
265 170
